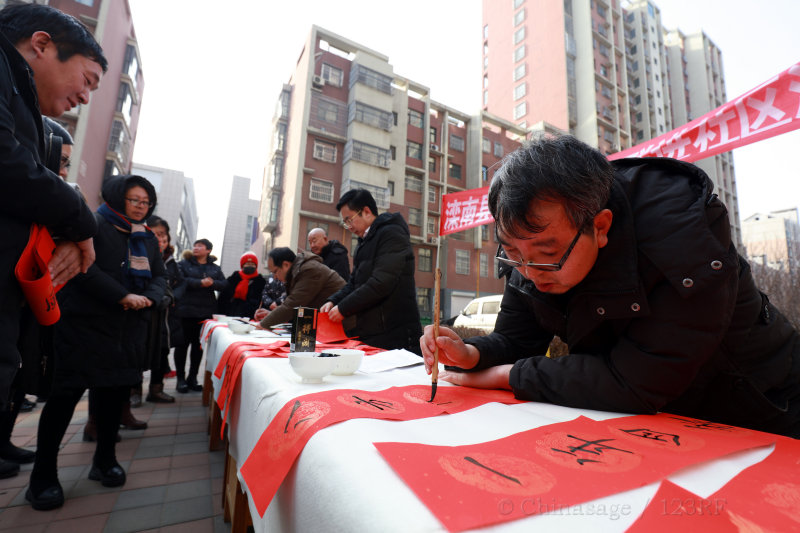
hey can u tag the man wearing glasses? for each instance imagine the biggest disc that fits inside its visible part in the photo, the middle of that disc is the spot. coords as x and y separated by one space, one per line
380 293
631 263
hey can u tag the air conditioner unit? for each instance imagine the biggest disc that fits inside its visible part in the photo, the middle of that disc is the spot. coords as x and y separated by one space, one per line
433 240
318 81
435 147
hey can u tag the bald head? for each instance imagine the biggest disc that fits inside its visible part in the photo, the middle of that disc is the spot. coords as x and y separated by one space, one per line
317 240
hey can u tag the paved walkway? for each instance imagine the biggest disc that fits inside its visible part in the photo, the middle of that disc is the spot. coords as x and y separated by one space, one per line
173 482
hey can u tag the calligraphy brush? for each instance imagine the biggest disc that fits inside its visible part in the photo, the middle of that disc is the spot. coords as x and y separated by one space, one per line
435 368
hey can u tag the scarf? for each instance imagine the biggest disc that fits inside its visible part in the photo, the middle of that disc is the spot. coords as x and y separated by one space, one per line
137 264
241 288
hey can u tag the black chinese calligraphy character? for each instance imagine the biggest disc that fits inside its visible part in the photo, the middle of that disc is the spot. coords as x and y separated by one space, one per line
701 424
295 407
586 447
492 470
377 404
653 435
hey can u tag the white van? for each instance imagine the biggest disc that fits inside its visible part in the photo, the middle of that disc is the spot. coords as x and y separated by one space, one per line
480 313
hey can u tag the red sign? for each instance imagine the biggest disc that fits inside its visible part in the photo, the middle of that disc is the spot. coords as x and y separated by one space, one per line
464 210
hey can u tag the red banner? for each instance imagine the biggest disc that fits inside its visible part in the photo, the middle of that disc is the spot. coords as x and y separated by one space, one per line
464 210
770 109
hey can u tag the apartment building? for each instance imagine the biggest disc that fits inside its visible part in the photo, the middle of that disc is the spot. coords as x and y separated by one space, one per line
773 239
345 120
605 71
241 227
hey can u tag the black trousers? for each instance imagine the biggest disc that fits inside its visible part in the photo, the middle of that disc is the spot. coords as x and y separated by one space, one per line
191 335
106 404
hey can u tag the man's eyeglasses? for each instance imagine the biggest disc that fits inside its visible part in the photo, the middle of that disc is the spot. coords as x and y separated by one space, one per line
65 162
135 202
347 221
548 267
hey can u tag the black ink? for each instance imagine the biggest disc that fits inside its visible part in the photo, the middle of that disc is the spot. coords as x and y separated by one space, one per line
295 407
599 448
473 461
652 435
700 424
377 404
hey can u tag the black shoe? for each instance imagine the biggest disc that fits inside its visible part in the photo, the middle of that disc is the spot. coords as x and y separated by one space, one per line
195 387
8 469
18 455
50 498
110 477
26 406
182 387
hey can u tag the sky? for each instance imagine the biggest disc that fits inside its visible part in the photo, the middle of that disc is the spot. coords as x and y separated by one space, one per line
213 71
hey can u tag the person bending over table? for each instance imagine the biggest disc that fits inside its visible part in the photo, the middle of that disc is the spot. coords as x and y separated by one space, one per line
632 264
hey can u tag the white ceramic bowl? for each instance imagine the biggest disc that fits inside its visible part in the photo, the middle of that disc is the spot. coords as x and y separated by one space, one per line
310 366
240 328
347 362
218 318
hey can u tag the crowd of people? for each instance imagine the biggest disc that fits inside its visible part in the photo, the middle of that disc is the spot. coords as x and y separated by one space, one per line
631 263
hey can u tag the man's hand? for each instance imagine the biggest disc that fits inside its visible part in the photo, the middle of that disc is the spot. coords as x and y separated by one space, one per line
69 258
135 302
260 314
273 306
452 350
206 282
495 377
333 312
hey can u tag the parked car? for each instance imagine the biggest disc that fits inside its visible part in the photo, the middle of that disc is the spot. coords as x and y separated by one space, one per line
480 313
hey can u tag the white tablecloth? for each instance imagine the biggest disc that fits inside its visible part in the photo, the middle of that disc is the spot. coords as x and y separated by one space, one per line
341 483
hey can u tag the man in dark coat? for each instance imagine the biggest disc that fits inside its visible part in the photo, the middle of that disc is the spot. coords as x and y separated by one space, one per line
631 263
242 295
333 253
308 284
49 63
197 301
381 292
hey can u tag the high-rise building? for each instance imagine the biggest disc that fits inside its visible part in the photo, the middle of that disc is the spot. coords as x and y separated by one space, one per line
104 131
346 120
773 239
176 203
241 227
605 71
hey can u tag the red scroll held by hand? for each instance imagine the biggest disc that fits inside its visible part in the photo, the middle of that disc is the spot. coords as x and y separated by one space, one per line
34 276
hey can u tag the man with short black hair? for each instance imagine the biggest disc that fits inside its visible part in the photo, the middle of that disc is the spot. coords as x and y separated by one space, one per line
381 292
632 264
49 63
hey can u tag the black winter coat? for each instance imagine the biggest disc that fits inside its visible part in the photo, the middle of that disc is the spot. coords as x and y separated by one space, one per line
194 300
668 319
174 281
381 292
335 256
33 194
228 305
97 342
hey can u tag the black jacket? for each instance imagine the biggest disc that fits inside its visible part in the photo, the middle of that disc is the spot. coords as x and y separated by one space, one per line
194 300
175 283
32 194
97 342
228 305
334 256
381 291
668 319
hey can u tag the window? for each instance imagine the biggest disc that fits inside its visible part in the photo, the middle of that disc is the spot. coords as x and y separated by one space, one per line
432 195
424 299
433 225
425 260
518 3
414 216
394 117
519 53
485 81
332 75
519 16
414 150
391 188
130 65
457 143
520 71
324 151
455 171
431 164
393 151
274 208
605 91
413 183
371 116
486 31
486 145
280 137
519 35
321 190
327 111
485 97
367 153
483 265
415 118
520 110
371 78
125 101
520 91
484 173
498 149
485 233
462 262
432 135
277 172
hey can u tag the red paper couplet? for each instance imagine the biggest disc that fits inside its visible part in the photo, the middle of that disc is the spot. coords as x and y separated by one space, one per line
557 466
674 508
287 434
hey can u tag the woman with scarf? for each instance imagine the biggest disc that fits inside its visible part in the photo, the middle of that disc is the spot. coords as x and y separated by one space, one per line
242 295
100 339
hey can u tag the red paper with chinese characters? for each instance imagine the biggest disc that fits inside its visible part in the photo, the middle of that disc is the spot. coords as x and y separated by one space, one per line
287 434
559 465
674 508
